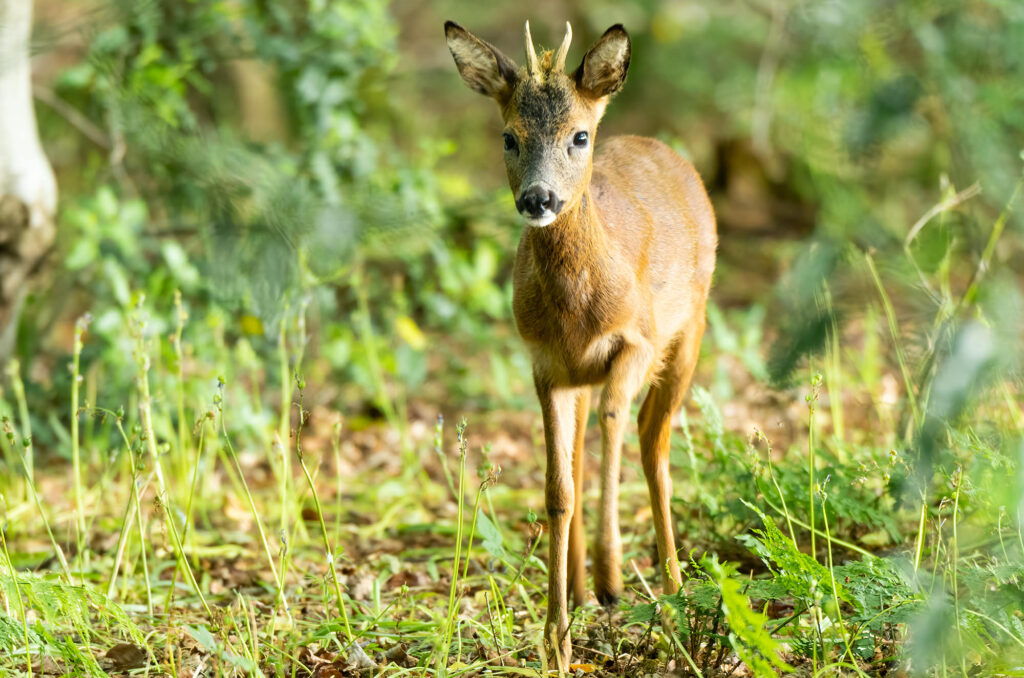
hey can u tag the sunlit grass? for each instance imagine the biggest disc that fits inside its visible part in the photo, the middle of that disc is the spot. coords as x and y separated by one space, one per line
442 577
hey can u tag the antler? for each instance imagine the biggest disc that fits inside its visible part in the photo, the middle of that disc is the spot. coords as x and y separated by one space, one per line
531 53
559 64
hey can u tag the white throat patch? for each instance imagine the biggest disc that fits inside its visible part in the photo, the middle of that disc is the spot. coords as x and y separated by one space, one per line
543 220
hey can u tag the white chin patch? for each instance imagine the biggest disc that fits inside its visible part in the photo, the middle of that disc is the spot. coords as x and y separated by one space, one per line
542 220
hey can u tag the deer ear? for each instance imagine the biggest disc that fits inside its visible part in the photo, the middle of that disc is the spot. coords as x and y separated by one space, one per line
482 65
603 70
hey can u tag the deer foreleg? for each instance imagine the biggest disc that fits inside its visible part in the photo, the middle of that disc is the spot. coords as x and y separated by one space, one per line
558 406
577 538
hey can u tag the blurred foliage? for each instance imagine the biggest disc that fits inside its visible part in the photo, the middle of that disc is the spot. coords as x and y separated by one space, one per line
254 164
167 77
850 118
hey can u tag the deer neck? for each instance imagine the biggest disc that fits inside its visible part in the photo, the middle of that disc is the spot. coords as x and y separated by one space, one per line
566 253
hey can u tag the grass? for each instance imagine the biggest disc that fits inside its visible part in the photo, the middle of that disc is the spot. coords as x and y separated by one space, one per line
155 555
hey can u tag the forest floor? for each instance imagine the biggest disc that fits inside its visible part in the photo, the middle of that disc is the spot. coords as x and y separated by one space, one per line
418 547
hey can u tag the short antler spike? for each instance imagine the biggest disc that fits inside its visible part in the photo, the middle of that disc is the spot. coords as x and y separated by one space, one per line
559 64
531 53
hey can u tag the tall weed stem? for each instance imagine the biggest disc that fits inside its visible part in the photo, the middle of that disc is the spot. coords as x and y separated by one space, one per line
811 399
76 465
142 360
449 627
320 514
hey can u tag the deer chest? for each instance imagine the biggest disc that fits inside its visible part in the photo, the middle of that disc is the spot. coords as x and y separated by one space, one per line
571 325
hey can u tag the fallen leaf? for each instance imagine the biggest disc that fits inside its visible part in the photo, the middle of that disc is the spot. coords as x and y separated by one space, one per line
47 666
410 578
358 659
410 332
400 656
126 656
361 587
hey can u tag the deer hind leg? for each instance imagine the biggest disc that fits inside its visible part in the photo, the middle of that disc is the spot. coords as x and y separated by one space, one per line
558 406
663 401
625 378
577 538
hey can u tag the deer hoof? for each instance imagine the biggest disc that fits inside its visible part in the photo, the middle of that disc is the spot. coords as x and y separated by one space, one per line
559 646
608 598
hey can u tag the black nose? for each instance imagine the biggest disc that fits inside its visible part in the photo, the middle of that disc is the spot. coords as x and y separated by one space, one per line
535 200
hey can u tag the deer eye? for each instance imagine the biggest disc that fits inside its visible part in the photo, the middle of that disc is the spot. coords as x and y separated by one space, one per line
510 142
580 140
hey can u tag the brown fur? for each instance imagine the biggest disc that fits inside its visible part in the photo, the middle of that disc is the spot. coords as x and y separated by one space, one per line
612 292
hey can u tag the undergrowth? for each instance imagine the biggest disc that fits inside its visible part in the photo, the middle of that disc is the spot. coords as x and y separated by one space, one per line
239 540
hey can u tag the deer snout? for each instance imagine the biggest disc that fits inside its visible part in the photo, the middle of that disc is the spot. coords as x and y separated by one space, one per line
538 202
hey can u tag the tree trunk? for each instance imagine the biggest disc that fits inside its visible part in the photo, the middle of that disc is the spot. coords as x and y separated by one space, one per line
28 189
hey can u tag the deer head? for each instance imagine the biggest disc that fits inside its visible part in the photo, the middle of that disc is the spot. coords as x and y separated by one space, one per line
550 116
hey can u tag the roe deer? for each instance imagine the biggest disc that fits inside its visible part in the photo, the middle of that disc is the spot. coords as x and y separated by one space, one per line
611 280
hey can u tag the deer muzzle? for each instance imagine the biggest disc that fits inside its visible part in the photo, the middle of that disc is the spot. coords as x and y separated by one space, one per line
539 205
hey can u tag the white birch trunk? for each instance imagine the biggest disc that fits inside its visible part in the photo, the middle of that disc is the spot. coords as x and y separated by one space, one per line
28 189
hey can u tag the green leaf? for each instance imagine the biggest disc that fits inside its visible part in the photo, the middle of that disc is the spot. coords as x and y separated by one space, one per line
490 536
881 591
203 636
106 203
643 613
748 636
801 575
82 253
118 281
177 260
78 76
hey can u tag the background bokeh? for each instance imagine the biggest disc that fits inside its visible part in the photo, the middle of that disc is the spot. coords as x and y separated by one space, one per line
253 154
